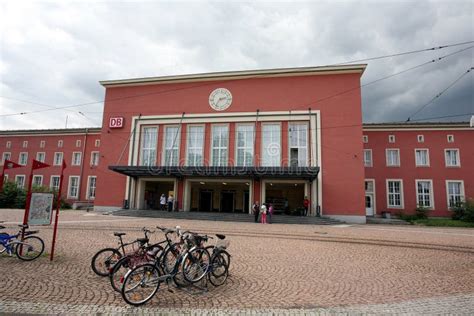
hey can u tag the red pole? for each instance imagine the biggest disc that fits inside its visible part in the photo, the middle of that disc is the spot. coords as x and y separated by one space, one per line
27 204
58 204
3 176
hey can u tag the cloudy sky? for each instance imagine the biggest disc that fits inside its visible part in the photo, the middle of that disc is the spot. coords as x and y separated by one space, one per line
53 54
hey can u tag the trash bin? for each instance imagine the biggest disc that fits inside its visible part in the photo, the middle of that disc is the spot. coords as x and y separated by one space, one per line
125 204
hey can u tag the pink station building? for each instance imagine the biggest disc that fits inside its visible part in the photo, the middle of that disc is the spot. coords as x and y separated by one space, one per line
217 142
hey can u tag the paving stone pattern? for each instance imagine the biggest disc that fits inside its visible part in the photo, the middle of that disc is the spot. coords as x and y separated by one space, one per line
276 269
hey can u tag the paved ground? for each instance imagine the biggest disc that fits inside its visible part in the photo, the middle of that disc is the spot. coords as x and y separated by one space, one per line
275 268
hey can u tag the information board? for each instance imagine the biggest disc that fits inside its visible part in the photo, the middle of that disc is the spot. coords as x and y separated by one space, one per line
40 209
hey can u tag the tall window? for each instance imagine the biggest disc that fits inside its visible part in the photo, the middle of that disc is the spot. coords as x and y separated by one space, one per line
40 157
244 145
171 146
422 157
6 156
38 181
78 143
58 159
54 183
148 152
271 145
91 187
94 158
368 157
73 189
60 143
76 158
452 157
97 143
393 157
298 140
455 191
8 144
20 181
394 193
42 144
25 144
23 160
195 143
424 196
220 141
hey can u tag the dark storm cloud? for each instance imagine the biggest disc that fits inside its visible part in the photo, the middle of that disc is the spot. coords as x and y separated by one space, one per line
55 53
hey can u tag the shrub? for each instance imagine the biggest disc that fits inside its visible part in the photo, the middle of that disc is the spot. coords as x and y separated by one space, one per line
422 212
13 197
465 211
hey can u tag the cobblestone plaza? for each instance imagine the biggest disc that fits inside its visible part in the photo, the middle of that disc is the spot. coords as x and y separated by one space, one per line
278 268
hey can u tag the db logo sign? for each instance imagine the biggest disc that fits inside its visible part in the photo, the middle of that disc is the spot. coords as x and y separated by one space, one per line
116 122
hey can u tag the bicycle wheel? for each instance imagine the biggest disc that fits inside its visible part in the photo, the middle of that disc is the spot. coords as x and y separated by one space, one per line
141 284
3 237
218 271
117 275
196 265
224 253
104 260
170 257
31 248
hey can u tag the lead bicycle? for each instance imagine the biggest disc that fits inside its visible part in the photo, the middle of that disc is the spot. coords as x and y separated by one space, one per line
29 248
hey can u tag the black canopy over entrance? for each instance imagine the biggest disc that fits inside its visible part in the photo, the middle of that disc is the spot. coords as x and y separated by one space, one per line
307 173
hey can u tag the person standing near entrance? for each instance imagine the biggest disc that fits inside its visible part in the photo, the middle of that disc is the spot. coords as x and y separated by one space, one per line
263 213
270 213
306 206
170 203
162 202
256 210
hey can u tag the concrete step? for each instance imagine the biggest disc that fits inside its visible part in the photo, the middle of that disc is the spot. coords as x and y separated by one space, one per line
387 221
230 217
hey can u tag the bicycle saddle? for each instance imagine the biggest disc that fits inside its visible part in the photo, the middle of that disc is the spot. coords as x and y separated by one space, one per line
142 240
220 236
118 234
23 226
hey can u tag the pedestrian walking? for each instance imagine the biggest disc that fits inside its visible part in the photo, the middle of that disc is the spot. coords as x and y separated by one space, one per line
162 202
270 213
263 213
170 203
256 210
306 206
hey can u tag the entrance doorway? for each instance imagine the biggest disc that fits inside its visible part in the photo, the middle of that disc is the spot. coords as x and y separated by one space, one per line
205 201
369 205
153 191
285 197
246 201
227 202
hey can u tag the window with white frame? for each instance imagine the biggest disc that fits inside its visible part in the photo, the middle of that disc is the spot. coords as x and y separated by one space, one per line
171 145
76 158
368 157
20 181
40 156
37 180
271 145
393 157
450 138
54 183
58 159
94 158
391 138
148 146
60 143
455 190
298 144
73 189
195 145
8 144
23 159
5 178
452 157
97 143
91 185
25 144
369 186
422 157
78 143
424 193
394 193
244 145
420 138
42 144
219 145
6 156
365 139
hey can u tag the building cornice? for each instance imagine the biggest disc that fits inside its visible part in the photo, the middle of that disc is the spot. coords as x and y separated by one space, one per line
416 126
239 75
51 132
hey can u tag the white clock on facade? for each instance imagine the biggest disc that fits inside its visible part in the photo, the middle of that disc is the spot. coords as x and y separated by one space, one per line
220 99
